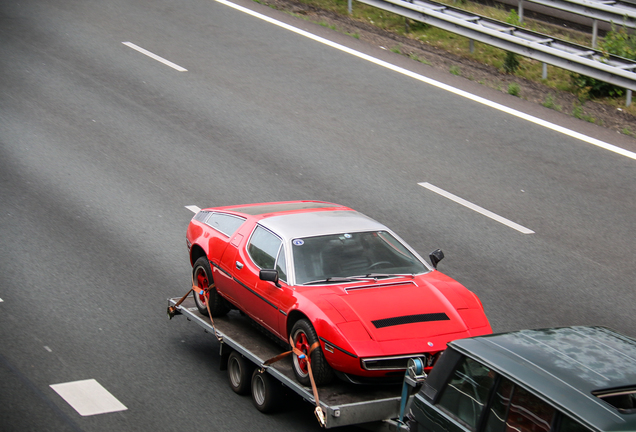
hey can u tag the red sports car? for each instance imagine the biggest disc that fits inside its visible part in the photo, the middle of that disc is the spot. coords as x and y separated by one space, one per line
322 272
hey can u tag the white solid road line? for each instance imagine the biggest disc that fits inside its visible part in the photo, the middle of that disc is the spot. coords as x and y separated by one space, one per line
438 84
193 208
155 56
476 208
88 397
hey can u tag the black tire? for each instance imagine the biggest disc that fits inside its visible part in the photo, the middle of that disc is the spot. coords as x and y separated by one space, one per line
239 373
304 336
202 278
266 392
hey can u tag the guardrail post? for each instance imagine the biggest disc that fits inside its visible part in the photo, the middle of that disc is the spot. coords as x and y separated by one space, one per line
628 101
544 73
594 32
520 11
349 6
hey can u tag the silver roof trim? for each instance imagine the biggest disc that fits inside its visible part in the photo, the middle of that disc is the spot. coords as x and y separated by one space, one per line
310 224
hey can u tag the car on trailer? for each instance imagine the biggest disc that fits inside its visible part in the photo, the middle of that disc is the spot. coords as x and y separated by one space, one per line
246 354
569 379
337 285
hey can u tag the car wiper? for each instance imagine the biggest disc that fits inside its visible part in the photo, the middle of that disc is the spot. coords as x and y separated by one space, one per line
383 275
336 279
357 278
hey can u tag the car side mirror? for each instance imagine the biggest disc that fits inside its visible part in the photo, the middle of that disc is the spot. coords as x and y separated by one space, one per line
436 256
269 275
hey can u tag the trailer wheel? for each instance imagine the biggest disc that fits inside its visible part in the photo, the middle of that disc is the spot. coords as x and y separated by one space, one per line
202 278
239 372
303 337
266 391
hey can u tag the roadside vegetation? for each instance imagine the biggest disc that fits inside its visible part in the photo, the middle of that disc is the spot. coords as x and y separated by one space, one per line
619 41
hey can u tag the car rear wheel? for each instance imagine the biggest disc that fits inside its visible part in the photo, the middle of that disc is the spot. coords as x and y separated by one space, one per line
202 278
303 337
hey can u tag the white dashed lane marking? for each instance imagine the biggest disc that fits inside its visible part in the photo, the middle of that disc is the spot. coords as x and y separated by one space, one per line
88 397
194 209
155 56
476 208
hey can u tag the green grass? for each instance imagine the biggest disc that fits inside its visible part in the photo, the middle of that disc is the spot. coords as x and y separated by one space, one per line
419 59
549 103
324 24
514 89
579 113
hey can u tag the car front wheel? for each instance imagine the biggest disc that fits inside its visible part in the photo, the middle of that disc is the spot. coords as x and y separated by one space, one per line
303 337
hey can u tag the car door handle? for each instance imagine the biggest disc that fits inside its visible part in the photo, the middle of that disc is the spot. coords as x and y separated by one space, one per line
239 265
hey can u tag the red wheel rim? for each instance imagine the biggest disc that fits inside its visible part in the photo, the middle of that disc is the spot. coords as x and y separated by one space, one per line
202 284
302 344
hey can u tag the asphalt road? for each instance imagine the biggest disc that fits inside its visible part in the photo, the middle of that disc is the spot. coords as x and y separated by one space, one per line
101 147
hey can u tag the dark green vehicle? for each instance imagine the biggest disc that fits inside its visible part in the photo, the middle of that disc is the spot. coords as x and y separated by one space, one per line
551 380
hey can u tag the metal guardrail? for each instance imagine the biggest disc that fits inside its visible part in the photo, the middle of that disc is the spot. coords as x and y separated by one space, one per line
618 12
613 11
566 55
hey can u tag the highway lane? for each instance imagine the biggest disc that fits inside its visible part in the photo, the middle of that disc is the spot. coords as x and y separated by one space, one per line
102 147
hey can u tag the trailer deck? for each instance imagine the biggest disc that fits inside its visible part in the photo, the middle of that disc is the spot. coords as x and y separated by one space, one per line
342 403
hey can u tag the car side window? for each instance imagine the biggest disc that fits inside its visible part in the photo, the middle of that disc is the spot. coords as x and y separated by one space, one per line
263 248
466 394
281 265
514 409
501 399
225 223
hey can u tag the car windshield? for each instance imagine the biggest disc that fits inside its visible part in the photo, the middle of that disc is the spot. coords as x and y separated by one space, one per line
351 257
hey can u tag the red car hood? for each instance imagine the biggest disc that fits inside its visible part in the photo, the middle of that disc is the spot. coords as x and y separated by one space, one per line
399 311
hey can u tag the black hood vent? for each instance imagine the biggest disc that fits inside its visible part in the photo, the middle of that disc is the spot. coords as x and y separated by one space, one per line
410 319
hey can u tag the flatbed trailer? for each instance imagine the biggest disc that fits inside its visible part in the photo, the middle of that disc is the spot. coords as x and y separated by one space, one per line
376 407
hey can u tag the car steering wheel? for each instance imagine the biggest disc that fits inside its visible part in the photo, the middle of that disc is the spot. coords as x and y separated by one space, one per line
380 264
